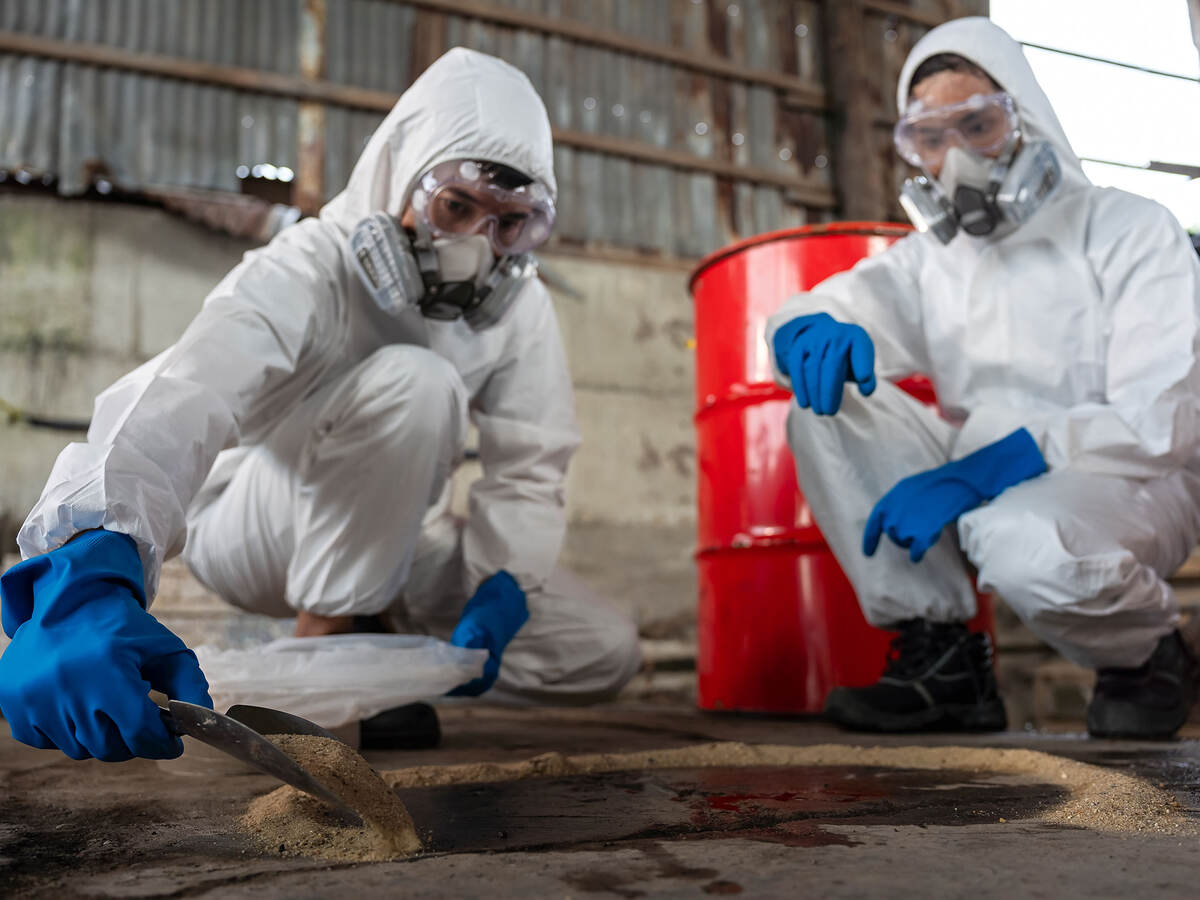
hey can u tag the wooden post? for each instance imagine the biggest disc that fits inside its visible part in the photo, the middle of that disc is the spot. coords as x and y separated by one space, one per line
858 178
308 191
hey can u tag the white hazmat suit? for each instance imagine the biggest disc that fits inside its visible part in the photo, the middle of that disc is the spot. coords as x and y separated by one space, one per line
301 439
1080 326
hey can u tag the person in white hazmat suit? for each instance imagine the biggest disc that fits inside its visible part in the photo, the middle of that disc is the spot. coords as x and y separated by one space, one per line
297 443
1058 323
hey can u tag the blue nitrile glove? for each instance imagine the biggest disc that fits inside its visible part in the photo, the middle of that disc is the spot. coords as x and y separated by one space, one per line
820 354
85 652
914 512
489 621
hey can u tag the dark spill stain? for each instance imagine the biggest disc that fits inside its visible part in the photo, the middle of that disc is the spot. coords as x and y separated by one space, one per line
668 866
733 802
657 863
723 887
604 881
784 805
797 834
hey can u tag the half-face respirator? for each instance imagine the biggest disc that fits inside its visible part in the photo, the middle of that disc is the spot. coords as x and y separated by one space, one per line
986 174
469 251
444 278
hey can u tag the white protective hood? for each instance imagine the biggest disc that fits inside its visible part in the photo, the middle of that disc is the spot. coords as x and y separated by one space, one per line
989 46
467 105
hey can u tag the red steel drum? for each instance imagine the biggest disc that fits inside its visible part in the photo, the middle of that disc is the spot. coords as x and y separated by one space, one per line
778 623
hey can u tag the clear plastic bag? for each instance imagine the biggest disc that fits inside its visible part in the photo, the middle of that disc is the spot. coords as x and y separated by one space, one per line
338 679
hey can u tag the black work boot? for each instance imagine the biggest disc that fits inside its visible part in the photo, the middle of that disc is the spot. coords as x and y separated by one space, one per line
1150 702
413 726
938 678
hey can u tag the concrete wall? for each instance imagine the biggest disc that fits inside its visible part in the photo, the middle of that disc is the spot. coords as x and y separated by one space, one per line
631 488
89 290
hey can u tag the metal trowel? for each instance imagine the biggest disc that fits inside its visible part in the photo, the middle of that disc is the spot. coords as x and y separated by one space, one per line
240 734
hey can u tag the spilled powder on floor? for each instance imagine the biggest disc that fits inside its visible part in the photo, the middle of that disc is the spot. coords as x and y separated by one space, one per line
1097 798
291 822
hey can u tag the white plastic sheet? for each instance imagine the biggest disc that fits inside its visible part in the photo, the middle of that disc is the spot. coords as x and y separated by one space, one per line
338 679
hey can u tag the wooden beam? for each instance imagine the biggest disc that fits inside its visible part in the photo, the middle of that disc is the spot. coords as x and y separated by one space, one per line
324 92
802 93
807 192
238 77
902 11
859 174
308 190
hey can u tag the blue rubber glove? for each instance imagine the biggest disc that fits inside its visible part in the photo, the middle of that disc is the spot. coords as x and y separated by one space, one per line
489 621
820 354
85 652
914 512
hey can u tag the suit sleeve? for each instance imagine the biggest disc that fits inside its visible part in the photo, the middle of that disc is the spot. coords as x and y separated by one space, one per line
527 434
156 432
1150 281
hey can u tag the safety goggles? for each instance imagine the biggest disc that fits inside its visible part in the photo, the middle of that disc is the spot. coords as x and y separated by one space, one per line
461 197
985 123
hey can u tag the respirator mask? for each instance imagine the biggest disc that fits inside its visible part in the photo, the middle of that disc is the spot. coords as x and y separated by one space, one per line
986 174
469 253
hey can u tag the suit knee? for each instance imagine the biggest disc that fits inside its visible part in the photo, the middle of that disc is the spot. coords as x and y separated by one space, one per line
397 389
1022 558
410 374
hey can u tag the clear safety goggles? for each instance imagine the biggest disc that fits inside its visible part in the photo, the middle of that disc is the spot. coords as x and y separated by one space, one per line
460 197
985 123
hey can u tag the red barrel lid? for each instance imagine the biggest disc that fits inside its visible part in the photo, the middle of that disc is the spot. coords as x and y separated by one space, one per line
886 229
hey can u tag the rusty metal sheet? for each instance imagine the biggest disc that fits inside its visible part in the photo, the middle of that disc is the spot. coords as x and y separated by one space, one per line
77 120
139 130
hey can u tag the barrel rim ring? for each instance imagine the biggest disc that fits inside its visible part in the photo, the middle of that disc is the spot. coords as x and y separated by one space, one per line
882 229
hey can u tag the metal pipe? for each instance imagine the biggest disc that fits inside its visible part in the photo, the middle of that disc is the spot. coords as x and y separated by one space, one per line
1112 62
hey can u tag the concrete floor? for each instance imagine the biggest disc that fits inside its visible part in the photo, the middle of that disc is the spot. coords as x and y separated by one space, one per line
95 830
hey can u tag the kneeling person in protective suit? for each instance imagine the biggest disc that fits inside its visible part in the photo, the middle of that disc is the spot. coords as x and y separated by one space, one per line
1058 322
302 433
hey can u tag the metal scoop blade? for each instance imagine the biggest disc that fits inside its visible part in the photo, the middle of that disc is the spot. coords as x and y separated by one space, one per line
243 742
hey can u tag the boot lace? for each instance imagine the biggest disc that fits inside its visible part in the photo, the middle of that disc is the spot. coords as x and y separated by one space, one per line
912 650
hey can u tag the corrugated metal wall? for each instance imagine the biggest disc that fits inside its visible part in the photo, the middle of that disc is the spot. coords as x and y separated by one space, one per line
77 122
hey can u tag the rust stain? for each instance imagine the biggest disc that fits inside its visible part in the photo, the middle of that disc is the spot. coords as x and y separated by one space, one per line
650 459
680 331
645 328
681 457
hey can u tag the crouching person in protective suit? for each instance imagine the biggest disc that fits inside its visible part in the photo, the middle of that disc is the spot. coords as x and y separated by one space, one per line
1058 322
302 433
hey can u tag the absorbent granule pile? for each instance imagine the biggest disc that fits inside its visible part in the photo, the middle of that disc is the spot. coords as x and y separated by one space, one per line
291 822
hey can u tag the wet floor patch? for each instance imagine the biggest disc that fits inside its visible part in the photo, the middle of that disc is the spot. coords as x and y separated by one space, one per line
778 804
49 846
